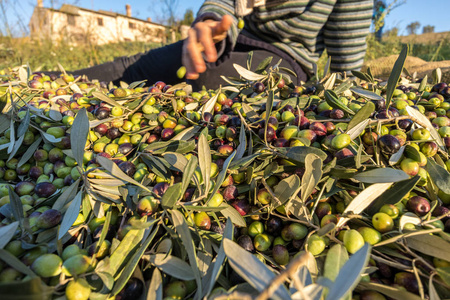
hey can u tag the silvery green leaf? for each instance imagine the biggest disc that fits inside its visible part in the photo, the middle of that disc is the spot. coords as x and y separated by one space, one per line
365 93
337 256
108 100
155 291
71 215
431 245
408 218
312 176
392 292
381 175
312 292
248 75
23 75
437 75
363 200
251 269
184 233
424 121
397 156
439 175
217 265
350 273
209 106
395 75
423 83
204 160
30 151
7 232
79 134
355 131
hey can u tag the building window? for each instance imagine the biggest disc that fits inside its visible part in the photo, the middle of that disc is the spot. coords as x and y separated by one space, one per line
100 21
131 25
71 20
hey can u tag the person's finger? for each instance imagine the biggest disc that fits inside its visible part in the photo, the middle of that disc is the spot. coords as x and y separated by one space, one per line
219 30
187 62
195 64
205 39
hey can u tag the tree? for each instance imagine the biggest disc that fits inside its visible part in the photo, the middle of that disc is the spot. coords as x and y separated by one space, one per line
427 29
188 17
413 27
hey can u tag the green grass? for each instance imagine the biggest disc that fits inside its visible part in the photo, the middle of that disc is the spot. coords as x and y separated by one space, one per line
44 56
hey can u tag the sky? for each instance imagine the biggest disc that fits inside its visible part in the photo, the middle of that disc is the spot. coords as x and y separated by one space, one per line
427 12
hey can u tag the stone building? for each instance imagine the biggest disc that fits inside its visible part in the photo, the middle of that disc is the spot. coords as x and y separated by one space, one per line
77 25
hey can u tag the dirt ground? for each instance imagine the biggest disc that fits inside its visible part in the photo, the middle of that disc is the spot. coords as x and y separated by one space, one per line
382 67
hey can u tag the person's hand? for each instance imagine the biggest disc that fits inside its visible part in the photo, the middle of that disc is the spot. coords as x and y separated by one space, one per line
201 39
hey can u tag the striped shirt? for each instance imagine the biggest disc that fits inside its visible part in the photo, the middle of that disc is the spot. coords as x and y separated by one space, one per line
304 28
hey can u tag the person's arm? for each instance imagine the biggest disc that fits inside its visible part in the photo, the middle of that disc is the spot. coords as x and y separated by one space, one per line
345 34
213 32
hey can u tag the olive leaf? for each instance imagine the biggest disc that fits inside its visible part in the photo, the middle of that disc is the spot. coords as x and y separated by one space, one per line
363 200
337 256
16 206
430 245
423 84
78 135
252 269
312 176
289 187
155 291
381 175
132 263
222 175
439 176
248 75
344 86
242 143
30 289
357 129
30 151
204 160
209 106
350 273
395 75
124 251
188 172
361 75
333 101
394 194
184 233
181 147
365 93
437 75
15 263
263 64
7 232
363 114
110 166
68 194
71 215
231 213
397 156
171 196
392 292
425 122
108 100
217 265
299 153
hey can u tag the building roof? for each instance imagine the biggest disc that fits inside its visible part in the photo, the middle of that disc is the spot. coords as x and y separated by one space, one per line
74 10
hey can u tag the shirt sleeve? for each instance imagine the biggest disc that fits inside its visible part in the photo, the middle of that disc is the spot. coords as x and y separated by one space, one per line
215 10
345 34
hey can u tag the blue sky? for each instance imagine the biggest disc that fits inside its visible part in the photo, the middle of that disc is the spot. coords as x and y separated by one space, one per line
427 12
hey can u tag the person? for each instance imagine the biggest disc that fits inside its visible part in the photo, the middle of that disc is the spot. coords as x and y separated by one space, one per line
378 18
295 31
